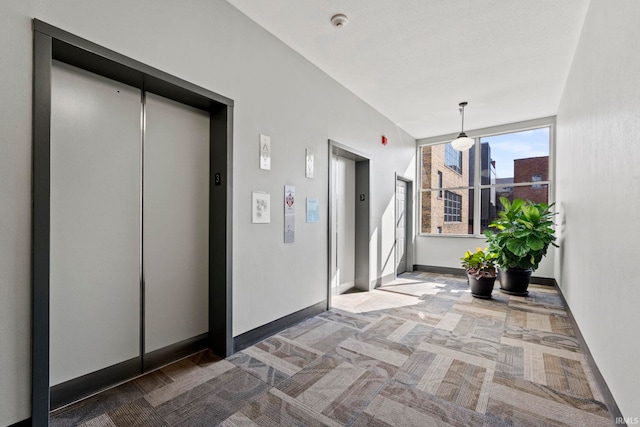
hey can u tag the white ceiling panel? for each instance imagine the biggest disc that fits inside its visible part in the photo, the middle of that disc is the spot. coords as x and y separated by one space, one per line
415 60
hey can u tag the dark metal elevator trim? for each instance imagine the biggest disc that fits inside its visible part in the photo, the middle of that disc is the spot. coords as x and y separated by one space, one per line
94 382
51 43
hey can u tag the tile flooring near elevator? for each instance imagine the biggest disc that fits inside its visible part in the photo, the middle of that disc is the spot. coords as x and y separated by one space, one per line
420 351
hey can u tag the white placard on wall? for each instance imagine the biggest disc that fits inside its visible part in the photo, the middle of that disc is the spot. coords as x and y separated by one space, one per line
313 211
261 208
309 163
265 152
289 214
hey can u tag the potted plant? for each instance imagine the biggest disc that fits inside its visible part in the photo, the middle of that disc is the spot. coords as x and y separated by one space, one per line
524 231
481 272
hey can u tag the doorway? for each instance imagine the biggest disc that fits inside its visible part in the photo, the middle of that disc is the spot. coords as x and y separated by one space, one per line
348 220
401 226
91 227
344 217
404 225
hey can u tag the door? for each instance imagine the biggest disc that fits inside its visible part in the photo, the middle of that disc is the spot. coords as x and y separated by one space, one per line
401 226
344 207
95 223
349 230
175 222
129 258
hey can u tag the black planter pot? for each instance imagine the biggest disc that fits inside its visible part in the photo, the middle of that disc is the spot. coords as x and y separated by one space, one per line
481 287
515 282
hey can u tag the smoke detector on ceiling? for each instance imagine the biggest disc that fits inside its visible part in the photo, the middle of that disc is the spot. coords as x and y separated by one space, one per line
339 20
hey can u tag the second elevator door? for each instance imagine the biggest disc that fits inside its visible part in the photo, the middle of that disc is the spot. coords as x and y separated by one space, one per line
345 219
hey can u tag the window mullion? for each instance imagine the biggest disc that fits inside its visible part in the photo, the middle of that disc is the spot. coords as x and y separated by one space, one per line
477 179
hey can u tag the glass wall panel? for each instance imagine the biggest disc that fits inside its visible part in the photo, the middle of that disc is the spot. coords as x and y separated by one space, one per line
495 166
519 157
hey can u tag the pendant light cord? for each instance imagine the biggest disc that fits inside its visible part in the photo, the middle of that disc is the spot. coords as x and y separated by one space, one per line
462 104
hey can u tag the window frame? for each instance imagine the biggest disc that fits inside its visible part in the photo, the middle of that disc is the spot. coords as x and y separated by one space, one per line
457 199
546 122
537 183
447 156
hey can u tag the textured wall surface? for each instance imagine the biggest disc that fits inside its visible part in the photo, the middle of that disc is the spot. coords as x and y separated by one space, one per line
598 195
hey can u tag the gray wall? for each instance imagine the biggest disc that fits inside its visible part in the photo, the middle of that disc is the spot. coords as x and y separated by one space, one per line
276 92
598 134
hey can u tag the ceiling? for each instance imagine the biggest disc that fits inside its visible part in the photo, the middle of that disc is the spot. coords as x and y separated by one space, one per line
415 60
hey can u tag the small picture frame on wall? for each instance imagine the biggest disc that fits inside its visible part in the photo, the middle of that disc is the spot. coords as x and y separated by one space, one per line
313 210
310 159
261 208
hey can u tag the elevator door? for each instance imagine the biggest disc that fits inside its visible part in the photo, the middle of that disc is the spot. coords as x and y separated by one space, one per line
95 223
345 214
129 258
176 222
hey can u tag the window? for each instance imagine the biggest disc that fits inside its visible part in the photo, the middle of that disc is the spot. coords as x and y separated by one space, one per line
452 207
453 158
460 191
536 178
445 191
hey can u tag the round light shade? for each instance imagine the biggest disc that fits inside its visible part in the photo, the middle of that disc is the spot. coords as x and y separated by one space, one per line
462 143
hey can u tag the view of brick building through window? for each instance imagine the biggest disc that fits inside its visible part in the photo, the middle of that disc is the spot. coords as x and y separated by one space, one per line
450 169
448 179
534 169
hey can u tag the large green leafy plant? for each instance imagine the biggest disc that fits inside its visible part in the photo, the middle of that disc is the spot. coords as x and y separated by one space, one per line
523 233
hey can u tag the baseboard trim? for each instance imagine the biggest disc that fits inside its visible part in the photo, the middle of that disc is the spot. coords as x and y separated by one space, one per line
439 270
164 356
385 280
23 423
460 272
602 384
95 382
253 336
546 281
86 385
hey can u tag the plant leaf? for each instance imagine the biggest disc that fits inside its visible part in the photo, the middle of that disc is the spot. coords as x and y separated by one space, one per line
535 243
505 203
517 205
518 247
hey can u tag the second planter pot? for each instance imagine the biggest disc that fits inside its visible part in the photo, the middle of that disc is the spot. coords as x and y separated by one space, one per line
481 287
515 282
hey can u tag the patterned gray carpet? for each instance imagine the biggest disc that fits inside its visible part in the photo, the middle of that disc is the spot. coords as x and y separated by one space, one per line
418 352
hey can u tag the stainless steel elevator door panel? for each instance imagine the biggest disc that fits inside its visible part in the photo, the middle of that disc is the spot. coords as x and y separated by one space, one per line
175 222
95 223
345 205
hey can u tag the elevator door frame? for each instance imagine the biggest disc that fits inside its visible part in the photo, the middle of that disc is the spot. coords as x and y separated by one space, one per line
362 216
53 43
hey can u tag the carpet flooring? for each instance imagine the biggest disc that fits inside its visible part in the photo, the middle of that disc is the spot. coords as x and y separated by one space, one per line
418 352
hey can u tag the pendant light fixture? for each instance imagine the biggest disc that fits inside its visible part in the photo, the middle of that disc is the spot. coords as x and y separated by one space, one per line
462 142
